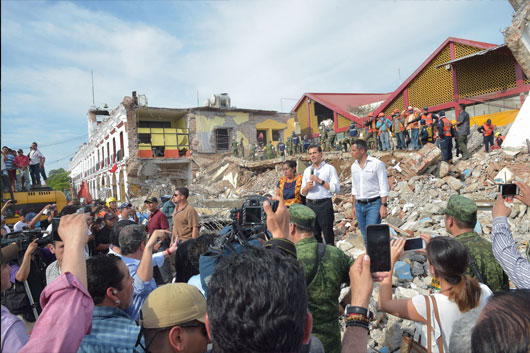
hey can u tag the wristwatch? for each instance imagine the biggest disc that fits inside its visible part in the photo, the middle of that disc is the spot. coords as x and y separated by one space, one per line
385 204
359 310
323 182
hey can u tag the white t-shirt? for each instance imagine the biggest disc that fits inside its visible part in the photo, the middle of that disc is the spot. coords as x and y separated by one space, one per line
449 313
19 225
35 156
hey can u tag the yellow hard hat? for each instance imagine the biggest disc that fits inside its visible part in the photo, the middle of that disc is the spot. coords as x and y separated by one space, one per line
109 200
497 134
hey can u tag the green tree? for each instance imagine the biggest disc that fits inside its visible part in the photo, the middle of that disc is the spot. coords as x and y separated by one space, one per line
59 179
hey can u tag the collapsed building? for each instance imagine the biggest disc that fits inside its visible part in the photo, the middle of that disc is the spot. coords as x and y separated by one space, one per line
135 148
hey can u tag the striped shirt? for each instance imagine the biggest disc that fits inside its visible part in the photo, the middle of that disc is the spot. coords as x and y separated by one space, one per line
9 161
512 262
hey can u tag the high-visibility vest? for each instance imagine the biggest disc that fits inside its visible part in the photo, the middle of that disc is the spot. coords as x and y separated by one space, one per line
373 126
414 125
428 119
488 129
446 127
499 140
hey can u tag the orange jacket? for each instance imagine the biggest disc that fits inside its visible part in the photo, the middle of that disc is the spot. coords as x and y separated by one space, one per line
446 128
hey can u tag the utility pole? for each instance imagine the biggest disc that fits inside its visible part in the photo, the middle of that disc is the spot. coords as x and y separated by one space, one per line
93 100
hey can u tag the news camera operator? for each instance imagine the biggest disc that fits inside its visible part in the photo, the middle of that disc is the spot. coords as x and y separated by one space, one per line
253 270
31 268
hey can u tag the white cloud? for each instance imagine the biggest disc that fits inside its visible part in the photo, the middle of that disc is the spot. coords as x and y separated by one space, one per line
257 51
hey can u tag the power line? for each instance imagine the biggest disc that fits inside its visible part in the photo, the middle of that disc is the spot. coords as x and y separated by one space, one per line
57 142
61 159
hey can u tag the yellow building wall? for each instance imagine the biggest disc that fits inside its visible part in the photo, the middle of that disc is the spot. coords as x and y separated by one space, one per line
301 114
485 74
342 121
239 117
433 85
397 103
207 124
269 125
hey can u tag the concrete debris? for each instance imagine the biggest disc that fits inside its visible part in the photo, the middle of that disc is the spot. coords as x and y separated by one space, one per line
419 190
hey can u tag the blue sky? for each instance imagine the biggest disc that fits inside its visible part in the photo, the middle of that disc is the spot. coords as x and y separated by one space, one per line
257 51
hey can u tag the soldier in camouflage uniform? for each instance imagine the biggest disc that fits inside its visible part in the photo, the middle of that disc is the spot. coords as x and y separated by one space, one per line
332 135
252 154
234 147
289 146
323 290
323 137
241 149
460 219
270 151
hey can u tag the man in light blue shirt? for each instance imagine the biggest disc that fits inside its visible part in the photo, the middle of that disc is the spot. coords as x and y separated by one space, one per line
319 182
137 253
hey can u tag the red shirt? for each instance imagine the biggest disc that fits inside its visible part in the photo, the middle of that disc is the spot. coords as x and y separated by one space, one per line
157 220
21 162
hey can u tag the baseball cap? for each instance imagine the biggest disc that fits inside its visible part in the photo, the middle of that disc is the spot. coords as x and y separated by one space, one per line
151 200
108 216
125 205
173 304
461 208
302 216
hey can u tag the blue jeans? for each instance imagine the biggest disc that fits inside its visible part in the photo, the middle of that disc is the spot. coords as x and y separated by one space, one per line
34 170
385 144
367 214
414 138
23 173
401 141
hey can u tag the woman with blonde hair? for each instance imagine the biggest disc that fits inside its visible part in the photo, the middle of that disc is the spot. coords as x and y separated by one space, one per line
448 260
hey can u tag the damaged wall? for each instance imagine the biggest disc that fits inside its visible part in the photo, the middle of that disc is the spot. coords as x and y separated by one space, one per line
242 124
517 36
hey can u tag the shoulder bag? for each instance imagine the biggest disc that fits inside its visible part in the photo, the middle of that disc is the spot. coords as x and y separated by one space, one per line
409 345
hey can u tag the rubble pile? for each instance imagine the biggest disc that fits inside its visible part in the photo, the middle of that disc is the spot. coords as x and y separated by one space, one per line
420 185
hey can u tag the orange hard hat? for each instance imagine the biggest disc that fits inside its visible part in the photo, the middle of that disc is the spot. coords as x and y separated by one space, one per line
381 114
370 114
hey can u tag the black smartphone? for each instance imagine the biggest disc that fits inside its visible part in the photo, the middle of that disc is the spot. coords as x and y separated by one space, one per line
414 244
378 247
508 190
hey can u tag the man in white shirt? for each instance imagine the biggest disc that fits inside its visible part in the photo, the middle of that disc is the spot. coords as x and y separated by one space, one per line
369 187
36 165
22 223
319 182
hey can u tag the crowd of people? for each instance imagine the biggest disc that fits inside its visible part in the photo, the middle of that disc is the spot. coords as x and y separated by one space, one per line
17 168
108 282
410 129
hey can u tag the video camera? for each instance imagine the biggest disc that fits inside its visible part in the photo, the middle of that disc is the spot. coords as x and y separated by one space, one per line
18 242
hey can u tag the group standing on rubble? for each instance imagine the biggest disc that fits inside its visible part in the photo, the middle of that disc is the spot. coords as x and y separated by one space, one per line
410 129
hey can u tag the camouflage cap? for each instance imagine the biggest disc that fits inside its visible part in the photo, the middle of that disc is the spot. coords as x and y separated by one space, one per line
461 208
302 216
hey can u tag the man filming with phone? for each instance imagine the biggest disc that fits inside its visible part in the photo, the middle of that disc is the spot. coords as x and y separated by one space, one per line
369 187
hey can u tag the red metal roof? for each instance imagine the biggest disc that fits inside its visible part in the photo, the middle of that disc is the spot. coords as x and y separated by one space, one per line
472 43
342 102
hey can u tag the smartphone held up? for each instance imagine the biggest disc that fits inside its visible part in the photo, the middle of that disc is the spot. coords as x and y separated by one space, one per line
378 247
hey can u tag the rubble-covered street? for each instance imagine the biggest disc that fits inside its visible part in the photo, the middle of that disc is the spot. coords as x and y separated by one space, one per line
420 186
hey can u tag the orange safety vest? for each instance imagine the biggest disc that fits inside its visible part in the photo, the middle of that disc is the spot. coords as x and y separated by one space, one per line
488 129
499 140
297 188
447 127
428 119
372 126
414 125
